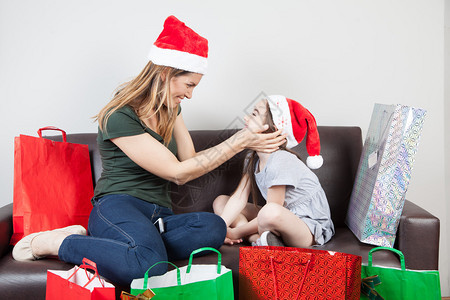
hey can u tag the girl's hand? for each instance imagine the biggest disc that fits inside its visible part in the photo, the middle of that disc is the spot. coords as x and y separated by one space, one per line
229 241
262 142
232 237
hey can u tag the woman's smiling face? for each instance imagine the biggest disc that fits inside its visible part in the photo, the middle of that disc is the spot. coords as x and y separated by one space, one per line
182 87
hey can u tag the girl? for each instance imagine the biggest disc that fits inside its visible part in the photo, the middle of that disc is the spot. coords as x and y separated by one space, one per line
296 212
144 144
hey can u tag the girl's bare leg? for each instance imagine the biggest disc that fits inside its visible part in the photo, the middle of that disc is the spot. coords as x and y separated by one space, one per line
280 221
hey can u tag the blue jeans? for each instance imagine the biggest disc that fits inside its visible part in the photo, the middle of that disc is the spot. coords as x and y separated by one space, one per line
124 242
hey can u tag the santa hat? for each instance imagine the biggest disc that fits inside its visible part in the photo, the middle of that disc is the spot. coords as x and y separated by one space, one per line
296 121
180 47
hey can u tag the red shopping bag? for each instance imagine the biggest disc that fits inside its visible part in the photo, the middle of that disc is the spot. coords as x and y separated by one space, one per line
52 184
78 284
297 273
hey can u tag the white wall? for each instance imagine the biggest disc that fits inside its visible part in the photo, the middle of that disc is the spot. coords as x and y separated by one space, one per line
61 60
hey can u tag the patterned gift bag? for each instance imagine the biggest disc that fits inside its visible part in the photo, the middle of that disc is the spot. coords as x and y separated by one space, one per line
287 273
384 172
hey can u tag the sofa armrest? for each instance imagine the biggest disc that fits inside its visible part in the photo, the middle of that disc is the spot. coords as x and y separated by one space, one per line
6 227
418 238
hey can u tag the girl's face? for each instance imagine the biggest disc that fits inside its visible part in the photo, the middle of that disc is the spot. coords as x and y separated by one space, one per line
182 87
258 118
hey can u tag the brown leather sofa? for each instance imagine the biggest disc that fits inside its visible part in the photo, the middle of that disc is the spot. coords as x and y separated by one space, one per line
417 236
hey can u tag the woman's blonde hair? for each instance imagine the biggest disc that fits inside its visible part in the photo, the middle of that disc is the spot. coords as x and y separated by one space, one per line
149 95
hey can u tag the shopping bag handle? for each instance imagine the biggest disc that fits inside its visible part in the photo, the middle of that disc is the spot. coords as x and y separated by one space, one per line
398 252
162 262
219 258
274 277
88 264
52 128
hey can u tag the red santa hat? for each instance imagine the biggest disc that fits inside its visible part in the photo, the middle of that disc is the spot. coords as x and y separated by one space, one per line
180 47
296 121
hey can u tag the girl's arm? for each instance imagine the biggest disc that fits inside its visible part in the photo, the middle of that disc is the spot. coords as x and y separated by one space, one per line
236 203
276 194
244 230
154 157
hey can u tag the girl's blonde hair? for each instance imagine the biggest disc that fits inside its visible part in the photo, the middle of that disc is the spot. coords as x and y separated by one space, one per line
149 95
252 156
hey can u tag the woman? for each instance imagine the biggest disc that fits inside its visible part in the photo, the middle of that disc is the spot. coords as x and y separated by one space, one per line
144 144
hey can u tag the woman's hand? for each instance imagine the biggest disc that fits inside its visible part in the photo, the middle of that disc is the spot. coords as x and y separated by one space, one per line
262 142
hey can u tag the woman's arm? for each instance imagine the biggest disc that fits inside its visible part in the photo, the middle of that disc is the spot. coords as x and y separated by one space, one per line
186 148
154 157
237 202
181 135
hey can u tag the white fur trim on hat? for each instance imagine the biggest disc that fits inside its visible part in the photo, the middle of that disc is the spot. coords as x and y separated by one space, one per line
178 59
314 162
281 116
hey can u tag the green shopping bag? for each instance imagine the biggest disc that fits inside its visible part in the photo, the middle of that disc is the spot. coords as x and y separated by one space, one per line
189 282
393 283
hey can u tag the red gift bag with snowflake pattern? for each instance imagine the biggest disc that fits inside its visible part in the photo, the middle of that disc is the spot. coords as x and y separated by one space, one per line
285 273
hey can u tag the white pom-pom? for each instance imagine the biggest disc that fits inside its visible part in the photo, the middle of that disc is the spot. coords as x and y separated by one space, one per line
314 162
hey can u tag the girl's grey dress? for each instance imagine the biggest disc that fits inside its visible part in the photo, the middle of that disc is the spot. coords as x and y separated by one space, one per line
304 194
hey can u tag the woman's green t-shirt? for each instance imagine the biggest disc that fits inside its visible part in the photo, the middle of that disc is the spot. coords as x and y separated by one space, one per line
120 174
